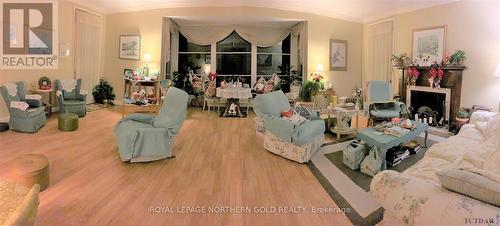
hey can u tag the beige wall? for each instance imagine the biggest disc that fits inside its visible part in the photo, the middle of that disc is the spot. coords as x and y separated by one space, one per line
473 26
66 64
320 30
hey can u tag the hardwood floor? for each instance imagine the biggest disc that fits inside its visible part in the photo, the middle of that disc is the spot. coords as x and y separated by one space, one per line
219 162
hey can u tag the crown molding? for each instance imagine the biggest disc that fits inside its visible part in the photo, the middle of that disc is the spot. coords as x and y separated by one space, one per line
399 11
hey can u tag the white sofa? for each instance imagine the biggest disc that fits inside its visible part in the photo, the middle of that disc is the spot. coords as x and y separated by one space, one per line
416 197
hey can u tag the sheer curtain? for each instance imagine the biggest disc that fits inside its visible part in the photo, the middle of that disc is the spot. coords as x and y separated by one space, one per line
87 49
379 52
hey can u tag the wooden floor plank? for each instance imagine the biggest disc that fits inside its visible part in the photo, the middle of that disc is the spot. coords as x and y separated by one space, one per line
219 162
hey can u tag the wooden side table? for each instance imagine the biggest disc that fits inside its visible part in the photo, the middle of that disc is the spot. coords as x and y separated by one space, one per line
129 108
48 98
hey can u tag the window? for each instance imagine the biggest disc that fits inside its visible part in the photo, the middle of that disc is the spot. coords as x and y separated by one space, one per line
234 56
274 59
192 56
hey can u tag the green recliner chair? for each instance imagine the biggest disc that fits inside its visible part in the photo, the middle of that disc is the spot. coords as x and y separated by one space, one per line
70 96
26 114
144 137
380 105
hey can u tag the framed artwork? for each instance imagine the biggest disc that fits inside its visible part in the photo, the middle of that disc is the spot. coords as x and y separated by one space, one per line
208 59
338 55
264 59
429 45
130 47
128 72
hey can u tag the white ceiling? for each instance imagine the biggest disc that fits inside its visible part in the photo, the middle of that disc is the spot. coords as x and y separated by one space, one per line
353 10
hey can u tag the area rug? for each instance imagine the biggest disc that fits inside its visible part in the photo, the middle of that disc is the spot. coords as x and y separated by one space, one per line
95 106
350 189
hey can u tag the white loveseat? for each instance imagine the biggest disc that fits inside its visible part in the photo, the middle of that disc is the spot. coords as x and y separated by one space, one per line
416 197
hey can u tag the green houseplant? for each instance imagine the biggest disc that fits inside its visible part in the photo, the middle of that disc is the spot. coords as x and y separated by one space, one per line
309 89
103 92
462 117
457 58
400 60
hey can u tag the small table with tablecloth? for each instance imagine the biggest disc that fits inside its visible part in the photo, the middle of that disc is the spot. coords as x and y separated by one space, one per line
233 95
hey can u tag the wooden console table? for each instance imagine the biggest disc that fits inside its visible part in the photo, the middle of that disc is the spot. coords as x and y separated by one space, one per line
128 86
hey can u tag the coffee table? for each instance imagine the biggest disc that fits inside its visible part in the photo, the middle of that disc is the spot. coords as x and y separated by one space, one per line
384 142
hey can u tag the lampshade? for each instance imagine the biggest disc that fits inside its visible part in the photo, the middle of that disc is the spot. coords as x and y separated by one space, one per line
147 57
319 68
207 68
497 71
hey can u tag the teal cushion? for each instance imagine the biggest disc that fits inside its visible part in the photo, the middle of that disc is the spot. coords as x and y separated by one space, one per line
384 113
73 102
307 131
69 95
272 103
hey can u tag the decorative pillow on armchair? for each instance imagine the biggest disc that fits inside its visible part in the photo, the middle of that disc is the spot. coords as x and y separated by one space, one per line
304 112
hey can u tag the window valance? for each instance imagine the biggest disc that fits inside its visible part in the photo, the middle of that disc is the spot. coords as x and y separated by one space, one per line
260 36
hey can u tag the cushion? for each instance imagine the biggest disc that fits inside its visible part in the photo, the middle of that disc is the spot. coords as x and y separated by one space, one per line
307 131
493 127
304 112
272 103
470 184
287 114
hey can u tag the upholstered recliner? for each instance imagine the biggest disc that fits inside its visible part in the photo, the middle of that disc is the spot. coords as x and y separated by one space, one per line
27 114
380 104
71 98
144 138
283 137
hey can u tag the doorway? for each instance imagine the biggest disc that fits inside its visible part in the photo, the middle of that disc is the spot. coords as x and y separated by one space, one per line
88 28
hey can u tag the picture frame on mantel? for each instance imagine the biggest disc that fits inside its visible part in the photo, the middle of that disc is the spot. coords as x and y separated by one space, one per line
429 45
338 55
130 47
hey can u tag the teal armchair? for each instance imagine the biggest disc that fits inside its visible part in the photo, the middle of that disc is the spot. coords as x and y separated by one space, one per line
281 136
26 114
70 96
380 104
145 138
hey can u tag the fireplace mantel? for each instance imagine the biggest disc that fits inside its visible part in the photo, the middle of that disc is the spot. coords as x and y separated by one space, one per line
452 80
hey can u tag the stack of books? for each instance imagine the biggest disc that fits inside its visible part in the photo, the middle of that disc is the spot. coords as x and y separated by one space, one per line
413 147
395 155
396 131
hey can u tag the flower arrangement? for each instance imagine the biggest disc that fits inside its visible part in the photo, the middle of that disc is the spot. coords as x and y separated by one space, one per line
436 75
317 77
414 74
400 60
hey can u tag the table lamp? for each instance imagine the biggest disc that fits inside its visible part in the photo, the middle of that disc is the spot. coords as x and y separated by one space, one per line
319 68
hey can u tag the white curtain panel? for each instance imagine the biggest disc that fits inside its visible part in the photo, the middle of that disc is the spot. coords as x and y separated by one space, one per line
87 49
260 36
380 50
165 44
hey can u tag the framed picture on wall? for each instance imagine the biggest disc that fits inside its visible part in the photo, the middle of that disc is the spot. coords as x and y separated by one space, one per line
338 55
429 45
264 60
130 47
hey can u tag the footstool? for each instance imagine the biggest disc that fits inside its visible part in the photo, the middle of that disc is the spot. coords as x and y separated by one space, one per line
68 122
31 169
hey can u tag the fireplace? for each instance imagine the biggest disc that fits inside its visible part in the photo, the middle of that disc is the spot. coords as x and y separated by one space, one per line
438 100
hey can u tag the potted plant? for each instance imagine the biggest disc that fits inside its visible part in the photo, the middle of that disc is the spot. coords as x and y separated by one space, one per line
400 60
457 58
462 117
309 89
103 91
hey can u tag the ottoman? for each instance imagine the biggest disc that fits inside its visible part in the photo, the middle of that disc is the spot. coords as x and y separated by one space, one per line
68 122
31 169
